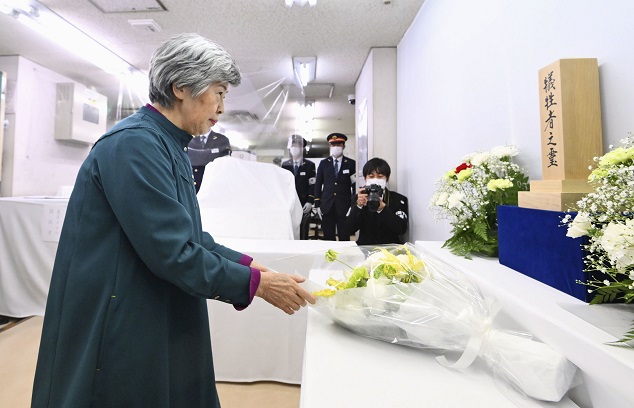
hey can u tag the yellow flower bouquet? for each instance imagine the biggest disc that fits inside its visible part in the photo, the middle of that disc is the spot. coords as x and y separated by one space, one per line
398 294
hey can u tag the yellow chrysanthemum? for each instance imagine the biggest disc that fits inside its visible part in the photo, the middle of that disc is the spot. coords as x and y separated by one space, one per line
464 174
324 292
499 184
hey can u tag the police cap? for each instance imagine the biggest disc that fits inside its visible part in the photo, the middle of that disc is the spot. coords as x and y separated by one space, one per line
336 138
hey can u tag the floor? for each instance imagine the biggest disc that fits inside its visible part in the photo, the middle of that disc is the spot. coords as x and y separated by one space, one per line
19 343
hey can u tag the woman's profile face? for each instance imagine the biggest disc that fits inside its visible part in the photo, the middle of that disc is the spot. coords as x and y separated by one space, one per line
199 114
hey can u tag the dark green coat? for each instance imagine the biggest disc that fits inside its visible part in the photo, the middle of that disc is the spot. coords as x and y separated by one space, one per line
126 320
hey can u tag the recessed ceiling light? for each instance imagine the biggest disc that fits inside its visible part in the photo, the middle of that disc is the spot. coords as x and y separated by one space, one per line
146 24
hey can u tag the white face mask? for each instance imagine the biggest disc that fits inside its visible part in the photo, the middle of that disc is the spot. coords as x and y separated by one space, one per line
378 181
336 151
295 152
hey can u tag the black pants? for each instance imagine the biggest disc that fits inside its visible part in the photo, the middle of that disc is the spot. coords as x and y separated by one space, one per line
334 220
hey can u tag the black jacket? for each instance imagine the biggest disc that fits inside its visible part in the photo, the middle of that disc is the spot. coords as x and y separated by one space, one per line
304 180
216 145
386 227
335 191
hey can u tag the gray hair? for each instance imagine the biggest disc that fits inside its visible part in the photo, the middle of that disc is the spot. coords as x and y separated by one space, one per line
190 61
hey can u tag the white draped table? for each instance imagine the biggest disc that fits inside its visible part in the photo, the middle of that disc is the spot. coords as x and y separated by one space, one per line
344 369
261 342
29 233
575 329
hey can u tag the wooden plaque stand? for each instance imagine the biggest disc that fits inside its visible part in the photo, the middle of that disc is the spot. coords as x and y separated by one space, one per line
571 134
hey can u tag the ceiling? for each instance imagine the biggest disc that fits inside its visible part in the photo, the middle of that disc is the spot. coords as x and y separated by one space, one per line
261 35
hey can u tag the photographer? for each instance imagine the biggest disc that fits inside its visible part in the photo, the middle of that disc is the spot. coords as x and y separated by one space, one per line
378 214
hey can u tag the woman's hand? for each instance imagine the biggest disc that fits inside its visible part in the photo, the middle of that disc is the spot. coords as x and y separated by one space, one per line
282 291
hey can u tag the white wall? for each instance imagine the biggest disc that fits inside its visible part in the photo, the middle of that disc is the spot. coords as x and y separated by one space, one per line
34 163
468 80
375 109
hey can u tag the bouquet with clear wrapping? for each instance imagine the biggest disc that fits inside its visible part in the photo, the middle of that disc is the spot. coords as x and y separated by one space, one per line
400 295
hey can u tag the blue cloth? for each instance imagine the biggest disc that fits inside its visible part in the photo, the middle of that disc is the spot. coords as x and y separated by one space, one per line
534 243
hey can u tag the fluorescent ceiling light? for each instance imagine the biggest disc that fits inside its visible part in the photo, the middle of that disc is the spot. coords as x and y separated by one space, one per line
306 111
18 5
305 69
39 18
6 9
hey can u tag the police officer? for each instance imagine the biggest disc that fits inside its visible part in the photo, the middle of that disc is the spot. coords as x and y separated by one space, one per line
204 149
304 172
334 185
382 222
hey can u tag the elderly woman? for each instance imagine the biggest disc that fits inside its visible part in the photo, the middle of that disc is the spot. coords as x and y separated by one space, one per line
126 321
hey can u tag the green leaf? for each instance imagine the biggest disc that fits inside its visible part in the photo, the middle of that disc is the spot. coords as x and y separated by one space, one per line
480 229
606 294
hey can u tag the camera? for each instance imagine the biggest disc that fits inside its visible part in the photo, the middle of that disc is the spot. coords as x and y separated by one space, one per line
351 99
374 192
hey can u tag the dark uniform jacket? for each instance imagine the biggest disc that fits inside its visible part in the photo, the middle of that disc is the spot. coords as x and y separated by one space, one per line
335 192
126 321
304 180
386 227
201 154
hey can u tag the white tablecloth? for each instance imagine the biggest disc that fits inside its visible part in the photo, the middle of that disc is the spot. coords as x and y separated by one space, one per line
29 232
344 369
246 199
561 321
261 342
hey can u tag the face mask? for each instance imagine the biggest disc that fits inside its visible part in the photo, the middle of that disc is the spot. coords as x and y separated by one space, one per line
295 152
336 151
379 182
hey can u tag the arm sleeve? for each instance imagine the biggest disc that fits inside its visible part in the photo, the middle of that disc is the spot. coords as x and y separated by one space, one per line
312 174
353 178
140 180
353 220
319 182
390 220
211 245
235 256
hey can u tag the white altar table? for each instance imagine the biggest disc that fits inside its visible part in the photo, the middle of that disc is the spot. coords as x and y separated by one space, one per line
561 321
344 369
262 343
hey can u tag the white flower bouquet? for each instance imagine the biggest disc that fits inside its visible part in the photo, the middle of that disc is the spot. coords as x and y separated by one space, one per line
403 296
468 196
606 217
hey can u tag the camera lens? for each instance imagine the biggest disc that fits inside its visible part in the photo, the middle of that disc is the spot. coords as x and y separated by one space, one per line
374 193
373 203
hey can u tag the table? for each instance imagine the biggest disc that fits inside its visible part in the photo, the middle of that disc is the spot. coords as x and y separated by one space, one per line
344 369
29 233
561 321
262 343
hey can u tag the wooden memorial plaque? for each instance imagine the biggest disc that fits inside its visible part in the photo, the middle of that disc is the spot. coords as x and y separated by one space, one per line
571 136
